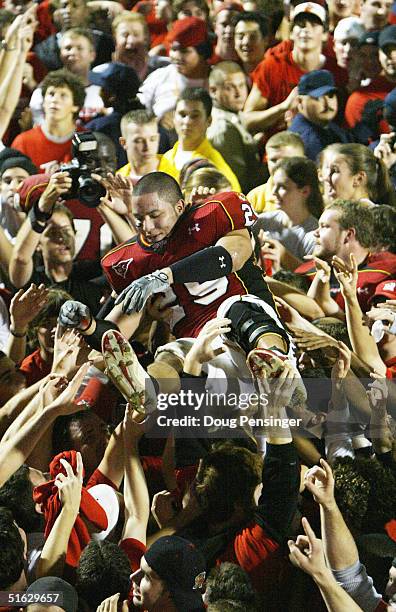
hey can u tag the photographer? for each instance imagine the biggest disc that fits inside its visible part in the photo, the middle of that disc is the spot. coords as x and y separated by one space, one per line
49 230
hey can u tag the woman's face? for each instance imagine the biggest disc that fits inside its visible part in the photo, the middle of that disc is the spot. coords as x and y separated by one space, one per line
287 194
337 178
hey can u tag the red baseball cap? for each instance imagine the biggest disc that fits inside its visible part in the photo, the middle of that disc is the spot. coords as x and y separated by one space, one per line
31 189
188 32
229 6
386 288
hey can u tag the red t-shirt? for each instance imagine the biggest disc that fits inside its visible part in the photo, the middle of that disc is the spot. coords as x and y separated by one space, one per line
193 303
377 267
391 367
34 368
278 74
378 89
40 149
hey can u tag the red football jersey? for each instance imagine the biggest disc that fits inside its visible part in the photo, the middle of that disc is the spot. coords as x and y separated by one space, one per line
199 227
377 267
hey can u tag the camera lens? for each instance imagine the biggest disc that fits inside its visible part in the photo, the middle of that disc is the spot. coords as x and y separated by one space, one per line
90 191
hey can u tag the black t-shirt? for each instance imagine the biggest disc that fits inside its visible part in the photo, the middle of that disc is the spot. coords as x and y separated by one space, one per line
80 284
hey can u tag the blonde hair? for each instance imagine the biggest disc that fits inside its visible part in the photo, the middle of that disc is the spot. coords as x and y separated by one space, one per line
128 17
207 177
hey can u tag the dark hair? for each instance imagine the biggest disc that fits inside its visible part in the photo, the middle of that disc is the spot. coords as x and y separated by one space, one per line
199 94
6 18
230 581
228 475
356 215
384 227
177 6
65 78
55 300
334 328
12 550
365 491
17 495
361 158
299 281
303 172
61 440
166 186
253 16
103 570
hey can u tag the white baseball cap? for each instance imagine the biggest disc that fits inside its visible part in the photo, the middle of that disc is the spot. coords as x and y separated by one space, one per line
350 27
107 498
311 8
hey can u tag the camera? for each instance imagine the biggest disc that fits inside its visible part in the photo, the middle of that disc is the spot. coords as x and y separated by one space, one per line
85 161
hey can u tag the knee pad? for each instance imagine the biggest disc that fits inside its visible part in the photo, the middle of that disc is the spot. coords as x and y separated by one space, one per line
249 322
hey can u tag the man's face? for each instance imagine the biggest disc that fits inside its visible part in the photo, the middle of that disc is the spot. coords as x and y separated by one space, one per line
329 236
232 93
224 29
319 110
191 9
336 177
274 154
155 218
148 588
250 44
89 436
141 143
46 335
374 13
130 39
387 58
390 590
58 240
191 123
70 14
58 104
76 53
10 182
186 60
307 34
11 379
344 48
340 8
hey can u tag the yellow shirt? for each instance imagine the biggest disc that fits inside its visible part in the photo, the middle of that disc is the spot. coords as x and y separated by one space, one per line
205 149
261 197
126 170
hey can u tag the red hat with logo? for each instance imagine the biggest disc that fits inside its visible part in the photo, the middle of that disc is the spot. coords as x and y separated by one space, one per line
31 189
385 289
188 32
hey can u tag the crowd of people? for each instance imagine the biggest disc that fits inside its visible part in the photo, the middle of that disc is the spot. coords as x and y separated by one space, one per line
197 305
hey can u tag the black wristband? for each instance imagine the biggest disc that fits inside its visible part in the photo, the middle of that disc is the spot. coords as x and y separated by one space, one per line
38 219
95 340
208 264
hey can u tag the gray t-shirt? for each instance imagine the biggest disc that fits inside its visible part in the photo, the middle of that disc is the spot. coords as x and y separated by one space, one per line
298 239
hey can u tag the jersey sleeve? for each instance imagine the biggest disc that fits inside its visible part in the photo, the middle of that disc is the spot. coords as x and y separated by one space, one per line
233 212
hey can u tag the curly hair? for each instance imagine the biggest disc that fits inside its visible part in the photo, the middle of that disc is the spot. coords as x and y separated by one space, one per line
227 476
17 495
103 570
65 78
365 491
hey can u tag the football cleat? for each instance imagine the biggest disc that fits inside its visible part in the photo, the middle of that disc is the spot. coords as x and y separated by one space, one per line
126 373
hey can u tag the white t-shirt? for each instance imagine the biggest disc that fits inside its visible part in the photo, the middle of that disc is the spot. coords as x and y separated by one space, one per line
161 89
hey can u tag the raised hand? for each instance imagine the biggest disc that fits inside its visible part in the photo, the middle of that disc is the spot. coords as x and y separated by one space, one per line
307 552
342 365
26 305
320 482
347 275
63 404
111 604
202 350
118 192
70 351
70 485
